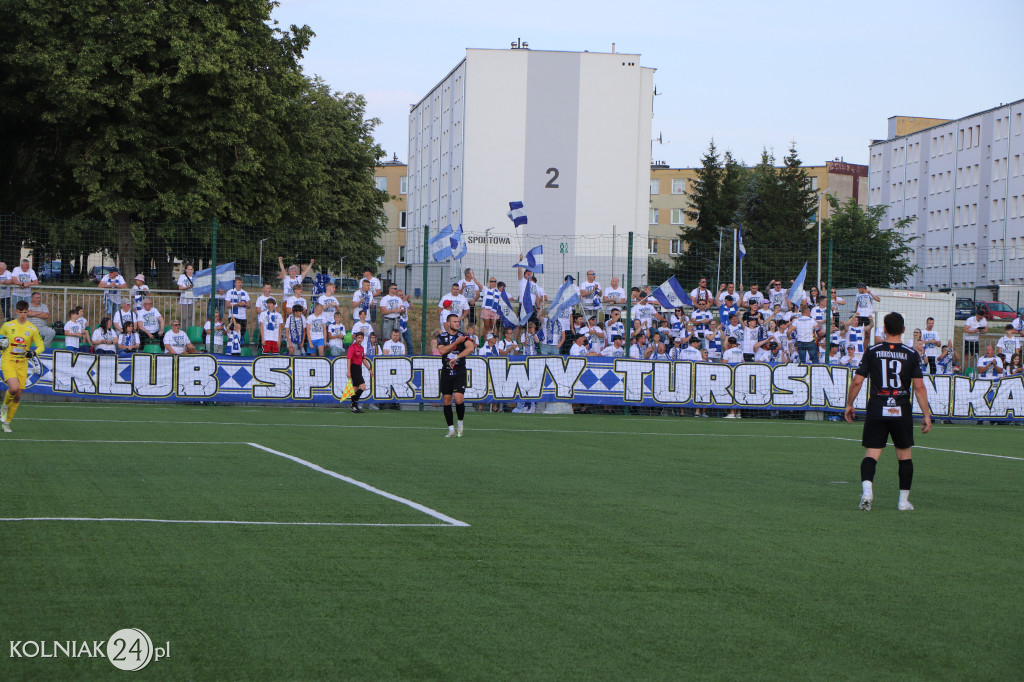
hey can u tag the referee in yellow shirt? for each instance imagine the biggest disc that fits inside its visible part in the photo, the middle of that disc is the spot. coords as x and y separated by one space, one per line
19 341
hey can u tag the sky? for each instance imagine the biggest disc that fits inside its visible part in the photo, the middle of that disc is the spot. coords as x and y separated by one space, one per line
750 74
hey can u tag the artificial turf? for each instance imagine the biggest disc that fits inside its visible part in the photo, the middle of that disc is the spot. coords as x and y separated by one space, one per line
598 547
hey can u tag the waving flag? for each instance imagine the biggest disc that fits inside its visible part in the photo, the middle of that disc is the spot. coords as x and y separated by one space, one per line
516 213
505 311
225 279
671 294
441 245
534 260
741 250
459 246
567 296
796 292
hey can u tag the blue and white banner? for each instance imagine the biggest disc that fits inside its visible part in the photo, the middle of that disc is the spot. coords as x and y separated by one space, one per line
516 213
534 260
225 279
568 295
671 294
448 244
604 381
741 250
796 292
503 306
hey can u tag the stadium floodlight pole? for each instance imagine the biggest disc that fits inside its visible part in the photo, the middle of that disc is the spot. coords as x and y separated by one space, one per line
261 259
487 240
735 246
718 271
820 196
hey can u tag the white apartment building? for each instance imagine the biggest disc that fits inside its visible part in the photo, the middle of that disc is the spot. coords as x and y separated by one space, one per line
963 181
566 133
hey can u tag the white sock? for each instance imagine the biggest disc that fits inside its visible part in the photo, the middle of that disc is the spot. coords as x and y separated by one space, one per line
451 429
460 423
868 490
904 495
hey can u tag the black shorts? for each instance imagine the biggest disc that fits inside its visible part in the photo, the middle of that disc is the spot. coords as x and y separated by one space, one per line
355 373
971 347
878 429
863 321
453 383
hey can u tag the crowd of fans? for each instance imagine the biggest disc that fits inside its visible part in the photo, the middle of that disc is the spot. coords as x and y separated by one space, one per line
724 326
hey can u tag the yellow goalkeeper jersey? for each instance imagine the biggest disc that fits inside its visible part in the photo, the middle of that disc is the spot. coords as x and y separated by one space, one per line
20 337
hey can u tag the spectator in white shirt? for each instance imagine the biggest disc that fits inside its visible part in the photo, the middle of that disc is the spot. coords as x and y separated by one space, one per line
645 312
270 322
128 341
218 334
488 314
74 330
139 291
238 303
508 344
362 300
5 291
316 329
394 345
391 309
615 350
751 296
362 326
336 335
590 293
990 365
187 299
39 315
727 289
123 316
375 285
579 346
104 338
973 327
806 336
453 304
112 283
261 302
291 276
932 344
1008 343
470 288
614 295
296 299
702 293
150 324
329 301
865 303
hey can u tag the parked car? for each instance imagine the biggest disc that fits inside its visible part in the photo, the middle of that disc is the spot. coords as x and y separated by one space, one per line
97 271
251 280
52 270
964 308
996 310
349 284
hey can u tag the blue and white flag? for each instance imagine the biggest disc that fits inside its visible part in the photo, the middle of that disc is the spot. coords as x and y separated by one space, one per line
225 279
441 245
458 243
671 294
567 296
534 261
505 311
796 292
741 250
516 213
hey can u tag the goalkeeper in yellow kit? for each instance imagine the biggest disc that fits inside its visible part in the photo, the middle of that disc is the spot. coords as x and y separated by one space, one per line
19 341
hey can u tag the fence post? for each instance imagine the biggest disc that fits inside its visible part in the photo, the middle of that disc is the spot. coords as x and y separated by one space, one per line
212 307
423 315
629 301
828 305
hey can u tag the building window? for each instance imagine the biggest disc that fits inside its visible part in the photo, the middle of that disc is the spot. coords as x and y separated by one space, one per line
678 185
677 216
652 246
675 247
812 183
654 216
403 184
655 186
401 254
402 219
381 183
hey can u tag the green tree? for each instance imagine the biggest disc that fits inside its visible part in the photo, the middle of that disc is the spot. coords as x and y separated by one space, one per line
861 245
157 116
713 202
776 213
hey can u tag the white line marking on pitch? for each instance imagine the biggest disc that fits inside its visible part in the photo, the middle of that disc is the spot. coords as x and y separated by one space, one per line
231 523
365 486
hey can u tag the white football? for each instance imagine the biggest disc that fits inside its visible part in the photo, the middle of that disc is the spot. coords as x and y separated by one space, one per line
4 342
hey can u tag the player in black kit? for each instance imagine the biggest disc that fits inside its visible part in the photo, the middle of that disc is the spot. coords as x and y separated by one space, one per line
454 347
894 369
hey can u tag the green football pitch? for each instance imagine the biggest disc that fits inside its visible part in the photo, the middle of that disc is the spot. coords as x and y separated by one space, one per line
300 543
